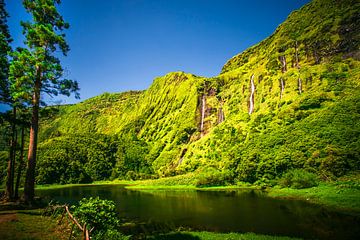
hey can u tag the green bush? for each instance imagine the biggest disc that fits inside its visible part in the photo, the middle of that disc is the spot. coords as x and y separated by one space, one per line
214 177
298 178
98 214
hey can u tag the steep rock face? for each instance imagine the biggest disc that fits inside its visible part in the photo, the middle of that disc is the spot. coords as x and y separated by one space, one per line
165 116
101 114
318 30
306 74
291 101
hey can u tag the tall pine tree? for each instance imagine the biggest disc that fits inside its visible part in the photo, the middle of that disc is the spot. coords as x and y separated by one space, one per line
39 70
5 48
5 97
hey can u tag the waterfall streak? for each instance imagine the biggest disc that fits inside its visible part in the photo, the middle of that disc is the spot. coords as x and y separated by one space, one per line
221 116
203 106
251 107
282 87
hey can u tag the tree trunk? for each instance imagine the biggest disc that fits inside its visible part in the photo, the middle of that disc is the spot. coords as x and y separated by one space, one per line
14 161
21 163
9 192
29 188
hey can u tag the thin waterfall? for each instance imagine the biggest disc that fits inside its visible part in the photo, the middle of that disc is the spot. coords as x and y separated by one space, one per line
203 108
297 55
182 156
283 63
252 98
282 87
221 116
300 85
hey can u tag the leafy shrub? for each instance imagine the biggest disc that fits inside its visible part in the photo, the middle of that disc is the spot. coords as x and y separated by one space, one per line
310 103
131 175
298 178
98 214
266 181
213 177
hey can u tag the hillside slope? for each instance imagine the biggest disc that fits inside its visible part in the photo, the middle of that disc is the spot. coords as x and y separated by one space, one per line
291 101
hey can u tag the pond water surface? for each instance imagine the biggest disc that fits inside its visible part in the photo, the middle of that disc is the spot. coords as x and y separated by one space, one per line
219 211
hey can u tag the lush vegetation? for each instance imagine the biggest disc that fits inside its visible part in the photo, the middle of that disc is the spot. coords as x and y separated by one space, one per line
302 137
101 216
306 115
26 73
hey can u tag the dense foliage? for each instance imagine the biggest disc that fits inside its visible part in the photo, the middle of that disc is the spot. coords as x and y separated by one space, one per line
5 49
92 157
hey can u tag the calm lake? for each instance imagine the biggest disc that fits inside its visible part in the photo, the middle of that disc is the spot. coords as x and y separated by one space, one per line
219 211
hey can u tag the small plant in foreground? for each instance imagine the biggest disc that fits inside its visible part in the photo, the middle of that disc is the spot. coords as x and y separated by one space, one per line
101 215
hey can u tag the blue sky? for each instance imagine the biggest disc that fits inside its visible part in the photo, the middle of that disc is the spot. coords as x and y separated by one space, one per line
120 45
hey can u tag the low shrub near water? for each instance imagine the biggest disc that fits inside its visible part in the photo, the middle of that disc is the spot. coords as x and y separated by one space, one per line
101 215
213 177
298 178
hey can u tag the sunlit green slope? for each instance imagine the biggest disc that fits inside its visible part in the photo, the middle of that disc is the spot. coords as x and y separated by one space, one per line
291 101
306 100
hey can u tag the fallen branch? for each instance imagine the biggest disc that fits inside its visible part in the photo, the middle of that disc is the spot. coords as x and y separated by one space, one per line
73 219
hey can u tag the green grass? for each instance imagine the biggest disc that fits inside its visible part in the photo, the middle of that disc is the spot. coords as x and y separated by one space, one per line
216 236
161 187
55 186
338 195
182 182
30 224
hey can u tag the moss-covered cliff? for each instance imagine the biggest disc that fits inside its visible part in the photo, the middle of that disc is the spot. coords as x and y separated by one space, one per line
291 101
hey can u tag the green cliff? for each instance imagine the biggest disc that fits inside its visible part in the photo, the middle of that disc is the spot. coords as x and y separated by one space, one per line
291 101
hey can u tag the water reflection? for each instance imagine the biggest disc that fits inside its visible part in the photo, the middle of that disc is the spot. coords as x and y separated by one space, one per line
221 211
